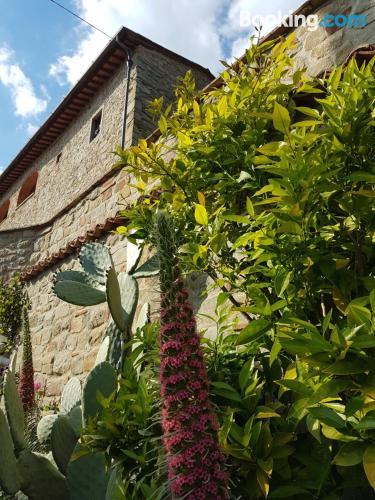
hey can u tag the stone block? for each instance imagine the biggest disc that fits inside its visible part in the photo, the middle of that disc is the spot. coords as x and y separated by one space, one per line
71 342
54 386
89 360
76 324
97 318
62 363
96 335
77 365
46 336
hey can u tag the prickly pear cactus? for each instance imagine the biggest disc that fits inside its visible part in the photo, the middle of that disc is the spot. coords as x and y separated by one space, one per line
44 429
10 480
69 407
14 411
99 282
101 380
68 474
63 442
21 469
87 476
71 395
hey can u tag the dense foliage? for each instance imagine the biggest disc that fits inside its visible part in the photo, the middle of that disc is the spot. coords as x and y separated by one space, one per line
12 302
270 179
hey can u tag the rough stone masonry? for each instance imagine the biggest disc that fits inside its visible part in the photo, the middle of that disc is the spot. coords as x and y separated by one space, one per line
77 195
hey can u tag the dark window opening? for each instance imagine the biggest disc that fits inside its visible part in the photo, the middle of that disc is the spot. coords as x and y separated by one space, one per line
4 209
28 188
58 157
95 126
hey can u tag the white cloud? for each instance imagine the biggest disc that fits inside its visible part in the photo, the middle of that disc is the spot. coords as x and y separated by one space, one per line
196 29
239 46
188 27
31 129
25 100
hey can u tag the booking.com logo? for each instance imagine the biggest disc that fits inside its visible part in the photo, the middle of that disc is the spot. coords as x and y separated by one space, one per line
311 22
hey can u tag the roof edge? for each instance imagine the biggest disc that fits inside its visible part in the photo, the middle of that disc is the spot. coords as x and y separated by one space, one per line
131 40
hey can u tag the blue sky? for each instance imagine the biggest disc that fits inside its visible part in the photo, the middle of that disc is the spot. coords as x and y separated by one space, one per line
44 50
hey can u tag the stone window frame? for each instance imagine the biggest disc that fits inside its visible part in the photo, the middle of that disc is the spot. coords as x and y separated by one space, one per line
97 117
4 210
28 188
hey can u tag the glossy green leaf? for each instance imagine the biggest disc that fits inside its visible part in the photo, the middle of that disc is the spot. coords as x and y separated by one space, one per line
350 454
200 214
328 417
253 331
281 118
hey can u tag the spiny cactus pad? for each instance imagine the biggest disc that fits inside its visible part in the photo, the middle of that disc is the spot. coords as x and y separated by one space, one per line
95 260
102 354
86 476
44 429
129 297
71 395
122 298
63 442
40 479
9 477
14 411
149 268
77 293
75 420
102 379
133 254
115 347
71 275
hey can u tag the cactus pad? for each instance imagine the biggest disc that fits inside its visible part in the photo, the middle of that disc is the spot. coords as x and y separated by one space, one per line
86 476
102 354
102 379
40 479
79 294
9 477
71 275
115 347
63 442
75 420
95 260
71 395
133 254
122 297
14 411
44 429
149 268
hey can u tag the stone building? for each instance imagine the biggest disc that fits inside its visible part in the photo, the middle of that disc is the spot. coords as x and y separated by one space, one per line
60 191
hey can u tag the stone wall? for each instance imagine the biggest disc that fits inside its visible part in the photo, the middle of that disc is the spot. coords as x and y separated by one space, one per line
157 75
66 338
82 162
16 250
322 49
72 197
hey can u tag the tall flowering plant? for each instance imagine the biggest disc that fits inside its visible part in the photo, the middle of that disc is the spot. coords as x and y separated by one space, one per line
26 386
194 460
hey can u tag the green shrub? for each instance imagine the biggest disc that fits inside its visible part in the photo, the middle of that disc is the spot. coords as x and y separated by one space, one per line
271 185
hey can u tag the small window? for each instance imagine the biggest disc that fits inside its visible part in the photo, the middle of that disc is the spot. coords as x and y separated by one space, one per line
58 157
4 209
28 188
95 125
